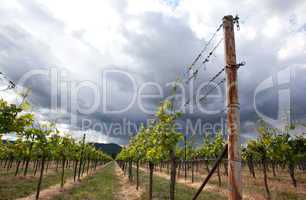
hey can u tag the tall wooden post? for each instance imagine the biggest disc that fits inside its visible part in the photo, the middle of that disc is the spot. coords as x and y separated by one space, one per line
81 157
233 113
185 156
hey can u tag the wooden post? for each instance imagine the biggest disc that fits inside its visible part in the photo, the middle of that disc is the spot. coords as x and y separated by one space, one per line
81 157
233 113
185 156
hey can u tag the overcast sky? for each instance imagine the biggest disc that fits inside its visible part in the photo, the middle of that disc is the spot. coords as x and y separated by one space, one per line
150 41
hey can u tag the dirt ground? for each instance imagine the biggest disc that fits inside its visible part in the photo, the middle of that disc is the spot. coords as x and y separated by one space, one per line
126 190
55 190
208 187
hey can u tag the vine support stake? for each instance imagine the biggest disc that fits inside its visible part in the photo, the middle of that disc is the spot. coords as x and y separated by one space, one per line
211 172
233 113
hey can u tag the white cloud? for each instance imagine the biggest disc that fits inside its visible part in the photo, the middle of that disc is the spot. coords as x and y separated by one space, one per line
139 7
87 36
272 27
294 46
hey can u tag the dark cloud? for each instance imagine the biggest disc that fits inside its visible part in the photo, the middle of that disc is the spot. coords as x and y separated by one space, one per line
21 53
161 48
164 48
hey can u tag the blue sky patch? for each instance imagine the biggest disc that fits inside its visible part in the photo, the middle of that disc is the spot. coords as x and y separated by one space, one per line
172 3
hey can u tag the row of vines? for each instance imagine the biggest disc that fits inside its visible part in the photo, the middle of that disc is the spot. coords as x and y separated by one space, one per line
40 146
161 146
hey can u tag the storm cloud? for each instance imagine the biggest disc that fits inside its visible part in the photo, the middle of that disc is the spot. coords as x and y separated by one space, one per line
131 43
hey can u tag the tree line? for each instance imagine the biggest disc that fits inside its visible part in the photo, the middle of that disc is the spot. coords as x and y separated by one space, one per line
41 146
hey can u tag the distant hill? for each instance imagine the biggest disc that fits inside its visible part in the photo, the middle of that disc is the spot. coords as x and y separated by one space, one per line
7 141
111 148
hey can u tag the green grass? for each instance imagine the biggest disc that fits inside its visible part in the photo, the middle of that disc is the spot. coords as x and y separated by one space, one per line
256 187
161 189
97 187
105 183
12 187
